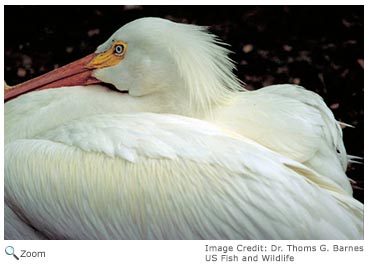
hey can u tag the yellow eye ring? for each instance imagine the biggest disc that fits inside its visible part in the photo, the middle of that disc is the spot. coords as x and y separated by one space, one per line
110 57
118 49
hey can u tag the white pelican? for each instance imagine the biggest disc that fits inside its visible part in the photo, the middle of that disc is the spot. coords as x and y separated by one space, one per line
75 132
182 69
157 176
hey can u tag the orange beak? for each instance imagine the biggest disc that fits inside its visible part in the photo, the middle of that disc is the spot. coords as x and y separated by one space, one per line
75 73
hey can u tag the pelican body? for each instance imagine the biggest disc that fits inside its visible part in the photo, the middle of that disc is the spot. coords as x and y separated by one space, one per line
154 176
178 151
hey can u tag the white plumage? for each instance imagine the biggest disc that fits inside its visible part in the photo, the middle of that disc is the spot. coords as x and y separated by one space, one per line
181 69
109 174
151 176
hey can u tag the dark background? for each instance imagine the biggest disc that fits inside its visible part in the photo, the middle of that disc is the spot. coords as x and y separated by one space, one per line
318 47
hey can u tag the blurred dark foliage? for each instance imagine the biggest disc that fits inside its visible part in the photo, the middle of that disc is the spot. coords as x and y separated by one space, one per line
318 47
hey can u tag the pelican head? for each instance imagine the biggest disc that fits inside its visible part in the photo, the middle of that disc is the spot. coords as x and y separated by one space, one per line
153 56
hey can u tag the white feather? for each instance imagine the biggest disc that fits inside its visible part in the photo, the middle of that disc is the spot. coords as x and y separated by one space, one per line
185 68
188 179
109 174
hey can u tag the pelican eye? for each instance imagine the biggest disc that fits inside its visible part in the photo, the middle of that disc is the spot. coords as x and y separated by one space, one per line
118 49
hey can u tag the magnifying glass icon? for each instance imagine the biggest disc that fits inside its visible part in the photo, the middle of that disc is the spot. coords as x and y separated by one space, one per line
10 251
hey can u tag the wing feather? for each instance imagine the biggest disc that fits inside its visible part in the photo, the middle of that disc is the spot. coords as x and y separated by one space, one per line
70 182
294 122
